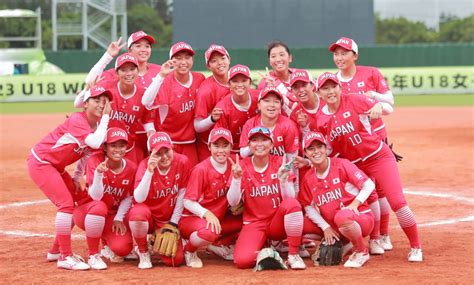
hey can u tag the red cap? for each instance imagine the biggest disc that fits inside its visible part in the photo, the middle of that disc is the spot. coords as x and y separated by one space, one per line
325 77
262 131
215 48
345 43
218 133
138 36
124 58
159 140
269 90
116 134
300 75
96 91
310 137
239 69
177 47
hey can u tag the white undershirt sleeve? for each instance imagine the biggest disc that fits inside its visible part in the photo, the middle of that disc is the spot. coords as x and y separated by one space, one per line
150 93
386 97
141 192
202 125
96 139
96 190
234 195
149 127
79 100
178 208
367 188
287 189
78 172
316 217
98 68
387 109
194 207
123 208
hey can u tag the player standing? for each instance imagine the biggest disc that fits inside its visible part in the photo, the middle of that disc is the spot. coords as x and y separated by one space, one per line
345 122
334 197
68 143
211 91
174 99
271 211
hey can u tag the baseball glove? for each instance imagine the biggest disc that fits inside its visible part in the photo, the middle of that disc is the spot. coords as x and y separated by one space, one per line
237 209
328 255
166 240
269 259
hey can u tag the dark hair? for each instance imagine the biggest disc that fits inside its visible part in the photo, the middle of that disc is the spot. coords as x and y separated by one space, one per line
275 44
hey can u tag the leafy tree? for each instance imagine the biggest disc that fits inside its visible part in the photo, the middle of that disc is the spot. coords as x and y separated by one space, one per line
141 17
453 29
402 31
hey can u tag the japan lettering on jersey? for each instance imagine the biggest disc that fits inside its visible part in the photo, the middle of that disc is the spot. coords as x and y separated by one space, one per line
209 188
142 80
233 118
210 92
261 192
348 130
180 103
65 144
117 186
338 189
285 135
164 188
367 78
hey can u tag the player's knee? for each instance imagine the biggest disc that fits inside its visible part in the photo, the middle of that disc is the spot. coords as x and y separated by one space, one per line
139 212
98 208
291 205
208 235
344 217
243 261
173 261
121 248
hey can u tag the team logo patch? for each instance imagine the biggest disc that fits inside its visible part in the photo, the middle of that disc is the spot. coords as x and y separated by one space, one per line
125 182
361 84
274 176
336 180
136 108
346 115
280 138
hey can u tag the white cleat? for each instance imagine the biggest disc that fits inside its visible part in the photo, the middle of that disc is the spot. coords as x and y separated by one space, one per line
192 259
52 256
357 259
386 242
145 260
96 262
296 262
225 252
110 255
415 255
375 248
73 262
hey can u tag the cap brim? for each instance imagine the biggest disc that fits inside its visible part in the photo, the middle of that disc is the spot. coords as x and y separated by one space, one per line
260 133
106 93
116 68
305 80
149 38
235 74
116 139
184 49
306 145
219 137
326 80
161 145
271 92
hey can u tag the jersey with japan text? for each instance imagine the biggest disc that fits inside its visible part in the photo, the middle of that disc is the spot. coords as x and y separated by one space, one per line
164 188
142 80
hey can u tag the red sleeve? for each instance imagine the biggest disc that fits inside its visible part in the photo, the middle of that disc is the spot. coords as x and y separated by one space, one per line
78 127
305 196
185 172
381 85
195 184
244 139
133 170
164 92
362 104
148 116
140 172
91 165
204 98
261 84
222 122
108 75
292 142
355 176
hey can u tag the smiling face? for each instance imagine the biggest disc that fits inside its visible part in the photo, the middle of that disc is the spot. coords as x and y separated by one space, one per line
165 158
344 59
218 64
220 150
141 49
240 85
302 90
270 106
316 152
183 62
279 59
260 145
330 92
116 151
94 106
127 73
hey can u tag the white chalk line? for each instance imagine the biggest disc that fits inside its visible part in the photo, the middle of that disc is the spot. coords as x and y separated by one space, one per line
409 191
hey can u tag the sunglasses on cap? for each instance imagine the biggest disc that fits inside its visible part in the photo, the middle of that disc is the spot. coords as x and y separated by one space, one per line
261 130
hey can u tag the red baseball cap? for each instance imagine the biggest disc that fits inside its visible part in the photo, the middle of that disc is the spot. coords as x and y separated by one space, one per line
116 134
269 90
239 69
124 58
159 140
138 36
325 77
345 43
262 131
96 91
177 47
300 75
215 48
310 137
218 133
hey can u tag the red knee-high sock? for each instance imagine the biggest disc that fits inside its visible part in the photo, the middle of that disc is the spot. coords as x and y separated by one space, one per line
353 232
63 224
293 223
94 226
407 221
139 231
384 215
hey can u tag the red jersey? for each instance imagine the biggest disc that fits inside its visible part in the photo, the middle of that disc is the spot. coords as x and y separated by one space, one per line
282 86
366 78
234 116
285 135
128 114
65 144
117 186
164 188
261 192
338 188
209 188
142 80
348 130
210 92
179 101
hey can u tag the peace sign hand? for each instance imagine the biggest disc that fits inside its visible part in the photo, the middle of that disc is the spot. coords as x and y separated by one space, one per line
114 48
269 80
235 167
284 170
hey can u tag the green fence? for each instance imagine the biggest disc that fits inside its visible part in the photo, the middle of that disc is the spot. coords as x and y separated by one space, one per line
77 61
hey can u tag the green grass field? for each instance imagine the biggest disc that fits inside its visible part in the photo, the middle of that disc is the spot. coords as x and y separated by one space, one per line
405 100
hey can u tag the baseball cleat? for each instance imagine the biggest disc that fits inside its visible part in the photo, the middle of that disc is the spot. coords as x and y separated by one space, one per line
52 256
73 262
357 259
192 259
386 242
96 262
145 260
296 262
375 248
110 255
225 252
415 255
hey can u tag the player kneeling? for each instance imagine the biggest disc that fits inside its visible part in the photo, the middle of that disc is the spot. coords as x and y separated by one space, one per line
334 197
264 184
158 202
